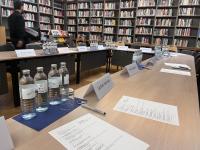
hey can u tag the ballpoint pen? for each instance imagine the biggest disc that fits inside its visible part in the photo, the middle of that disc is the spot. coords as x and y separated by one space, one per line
93 109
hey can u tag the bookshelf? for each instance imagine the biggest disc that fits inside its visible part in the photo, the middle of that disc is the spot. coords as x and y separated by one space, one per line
136 22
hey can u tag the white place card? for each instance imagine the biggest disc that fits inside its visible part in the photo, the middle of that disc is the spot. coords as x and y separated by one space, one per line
91 133
148 109
178 72
101 47
82 48
6 142
122 47
146 50
63 50
177 65
101 86
25 52
131 69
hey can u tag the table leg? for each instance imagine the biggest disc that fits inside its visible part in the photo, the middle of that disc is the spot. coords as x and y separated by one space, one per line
78 67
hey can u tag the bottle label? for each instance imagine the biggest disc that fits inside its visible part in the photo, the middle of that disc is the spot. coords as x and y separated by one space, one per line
28 91
54 82
41 86
66 79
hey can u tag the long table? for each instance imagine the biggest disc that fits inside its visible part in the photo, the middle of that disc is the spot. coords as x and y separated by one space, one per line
153 85
85 60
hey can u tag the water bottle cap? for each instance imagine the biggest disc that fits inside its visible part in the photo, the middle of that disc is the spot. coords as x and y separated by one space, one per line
54 65
26 71
63 63
40 68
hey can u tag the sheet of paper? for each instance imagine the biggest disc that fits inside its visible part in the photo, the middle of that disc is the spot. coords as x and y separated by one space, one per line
6 142
25 52
177 65
91 133
178 72
148 109
63 50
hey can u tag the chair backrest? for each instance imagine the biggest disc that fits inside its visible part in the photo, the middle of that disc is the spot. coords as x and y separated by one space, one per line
188 52
7 47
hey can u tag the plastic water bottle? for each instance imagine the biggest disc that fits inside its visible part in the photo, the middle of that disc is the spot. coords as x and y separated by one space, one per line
53 85
158 52
27 95
41 90
64 81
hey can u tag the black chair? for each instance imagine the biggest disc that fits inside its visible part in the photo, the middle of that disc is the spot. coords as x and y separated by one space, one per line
197 65
36 46
7 47
188 52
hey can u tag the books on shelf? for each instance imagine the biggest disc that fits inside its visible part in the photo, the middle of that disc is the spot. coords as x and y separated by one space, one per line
109 13
125 39
45 2
109 30
96 21
184 22
58 13
165 2
180 42
127 14
29 24
183 32
108 38
84 13
6 12
96 29
29 16
71 6
126 23
146 12
71 13
83 6
143 40
110 6
83 29
83 21
58 27
97 6
71 29
95 37
71 22
58 21
7 3
96 13
127 4
124 31
110 22
46 27
146 3
30 7
45 10
189 2
163 22
187 11
143 30
161 32
163 41
30 1
143 21
164 12
45 19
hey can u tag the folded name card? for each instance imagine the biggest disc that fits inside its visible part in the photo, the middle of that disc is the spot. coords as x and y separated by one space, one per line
63 50
6 142
25 52
122 47
82 48
101 87
100 47
131 69
146 50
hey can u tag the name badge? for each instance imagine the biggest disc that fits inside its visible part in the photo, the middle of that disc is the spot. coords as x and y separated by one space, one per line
122 47
25 53
146 50
5 138
82 48
101 87
131 69
63 50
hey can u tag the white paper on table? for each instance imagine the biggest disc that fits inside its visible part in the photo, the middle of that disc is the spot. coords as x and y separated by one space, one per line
91 133
63 50
122 48
146 50
148 109
6 142
177 65
25 52
178 72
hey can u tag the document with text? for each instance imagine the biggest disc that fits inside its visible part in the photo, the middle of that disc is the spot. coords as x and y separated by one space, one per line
91 133
148 109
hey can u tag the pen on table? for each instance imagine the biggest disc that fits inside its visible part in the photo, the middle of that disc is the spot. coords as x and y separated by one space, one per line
93 109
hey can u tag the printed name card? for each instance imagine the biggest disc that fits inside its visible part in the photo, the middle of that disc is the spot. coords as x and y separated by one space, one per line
101 87
82 48
122 47
6 142
131 69
63 50
146 50
25 53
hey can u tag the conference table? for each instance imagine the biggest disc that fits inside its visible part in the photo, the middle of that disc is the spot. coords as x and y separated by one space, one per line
152 85
77 62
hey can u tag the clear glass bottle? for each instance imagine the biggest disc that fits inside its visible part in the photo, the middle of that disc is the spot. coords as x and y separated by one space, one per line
53 85
41 90
64 81
27 95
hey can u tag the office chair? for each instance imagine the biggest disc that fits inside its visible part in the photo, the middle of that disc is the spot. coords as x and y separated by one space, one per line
7 47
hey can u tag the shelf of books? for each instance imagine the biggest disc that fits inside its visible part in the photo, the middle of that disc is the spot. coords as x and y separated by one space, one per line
111 12
126 21
58 11
96 21
71 17
45 16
